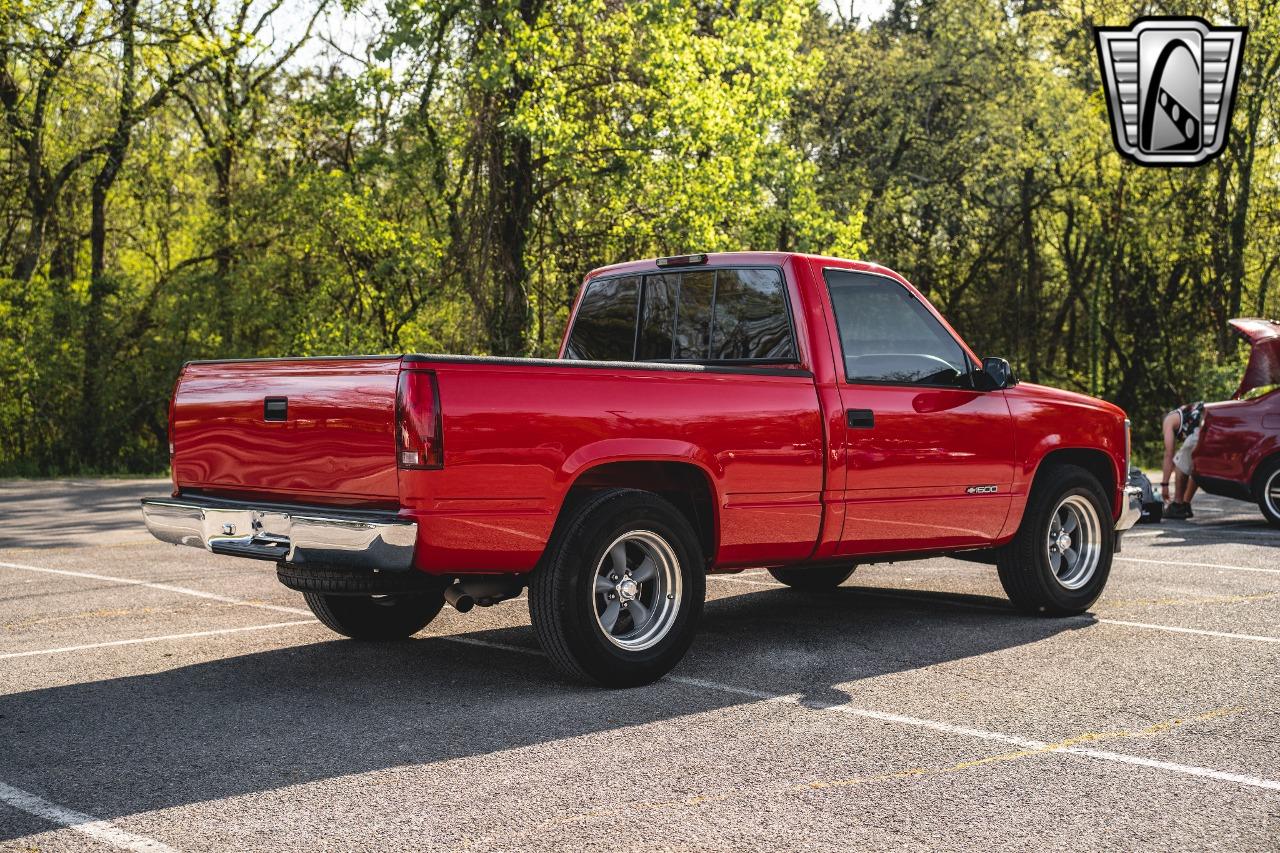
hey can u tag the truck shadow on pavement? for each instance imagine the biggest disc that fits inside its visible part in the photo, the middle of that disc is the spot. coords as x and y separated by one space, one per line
267 720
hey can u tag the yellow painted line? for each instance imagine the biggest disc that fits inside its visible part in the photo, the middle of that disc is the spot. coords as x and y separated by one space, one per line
795 699
1169 563
1202 632
633 806
937 725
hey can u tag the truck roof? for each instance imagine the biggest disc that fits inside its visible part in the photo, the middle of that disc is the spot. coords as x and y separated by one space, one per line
723 258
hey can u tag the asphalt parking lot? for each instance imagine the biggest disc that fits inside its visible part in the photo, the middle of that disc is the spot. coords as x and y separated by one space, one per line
156 698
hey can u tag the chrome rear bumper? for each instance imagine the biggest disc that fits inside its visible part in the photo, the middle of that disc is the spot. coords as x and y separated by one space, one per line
1130 509
303 535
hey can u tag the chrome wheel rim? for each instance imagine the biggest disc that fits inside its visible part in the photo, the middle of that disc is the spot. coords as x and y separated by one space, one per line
1074 543
1271 492
637 590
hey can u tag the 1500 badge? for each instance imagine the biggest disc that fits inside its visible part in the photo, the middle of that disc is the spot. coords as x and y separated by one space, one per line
982 490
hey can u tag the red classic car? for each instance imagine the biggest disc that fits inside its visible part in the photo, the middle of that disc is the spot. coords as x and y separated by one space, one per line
707 413
1238 453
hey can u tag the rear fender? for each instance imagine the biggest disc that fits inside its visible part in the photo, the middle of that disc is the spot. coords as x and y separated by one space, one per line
620 463
638 450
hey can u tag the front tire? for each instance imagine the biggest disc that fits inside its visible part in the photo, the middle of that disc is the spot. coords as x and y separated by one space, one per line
1058 563
1269 491
814 579
376 617
617 598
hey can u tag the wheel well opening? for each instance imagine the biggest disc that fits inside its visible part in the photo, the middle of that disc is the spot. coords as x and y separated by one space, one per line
1096 462
684 485
1261 472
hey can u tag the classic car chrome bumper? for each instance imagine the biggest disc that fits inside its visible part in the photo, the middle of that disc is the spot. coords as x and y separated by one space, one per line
305 535
1130 509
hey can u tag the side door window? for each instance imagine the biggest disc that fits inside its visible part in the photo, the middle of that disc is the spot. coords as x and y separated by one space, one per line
889 337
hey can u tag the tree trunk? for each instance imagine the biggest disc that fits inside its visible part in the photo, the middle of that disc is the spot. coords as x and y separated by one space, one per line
513 198
29 259
91 435
509 329
1029 319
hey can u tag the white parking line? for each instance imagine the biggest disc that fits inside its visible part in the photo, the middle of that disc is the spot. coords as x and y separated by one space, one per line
152 585
192 635
81 821
932 725
736 579
99 830
1227 634
919 599
1200 565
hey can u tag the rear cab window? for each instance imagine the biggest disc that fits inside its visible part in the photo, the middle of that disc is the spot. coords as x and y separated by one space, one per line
605 328
888 337
724 315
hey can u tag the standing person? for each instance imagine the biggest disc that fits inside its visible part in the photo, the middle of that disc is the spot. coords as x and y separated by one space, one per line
1182 424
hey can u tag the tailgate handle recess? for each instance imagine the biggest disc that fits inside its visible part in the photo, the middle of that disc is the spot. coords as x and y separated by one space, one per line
275 409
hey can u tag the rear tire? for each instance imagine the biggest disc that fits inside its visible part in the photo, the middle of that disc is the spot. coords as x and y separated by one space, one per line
1058 563
370 617
347 581
813 579
617 597
1269 491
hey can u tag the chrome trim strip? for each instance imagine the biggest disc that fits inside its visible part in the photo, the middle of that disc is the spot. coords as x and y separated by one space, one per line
1130 509
311 536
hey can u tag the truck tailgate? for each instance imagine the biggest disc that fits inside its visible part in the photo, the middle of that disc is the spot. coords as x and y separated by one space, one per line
295 430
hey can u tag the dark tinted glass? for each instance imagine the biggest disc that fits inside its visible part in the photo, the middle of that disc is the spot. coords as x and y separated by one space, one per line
693 326
605 326
658 317
750 316
889 336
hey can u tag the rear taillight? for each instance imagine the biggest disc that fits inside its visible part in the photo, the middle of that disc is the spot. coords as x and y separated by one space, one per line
418 422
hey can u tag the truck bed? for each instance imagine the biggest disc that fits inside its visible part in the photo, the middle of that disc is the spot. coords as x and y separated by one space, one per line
517 434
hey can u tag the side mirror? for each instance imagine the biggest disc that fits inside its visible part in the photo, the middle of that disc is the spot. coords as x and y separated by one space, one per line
996 373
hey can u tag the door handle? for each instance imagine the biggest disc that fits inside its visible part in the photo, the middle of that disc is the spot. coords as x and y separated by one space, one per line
861 418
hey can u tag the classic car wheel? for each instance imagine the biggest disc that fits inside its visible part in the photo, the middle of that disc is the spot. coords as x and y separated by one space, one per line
1058 562
1269 491
376 617
813 579
617 598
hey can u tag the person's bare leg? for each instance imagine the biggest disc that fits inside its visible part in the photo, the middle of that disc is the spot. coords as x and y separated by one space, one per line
1167 429
1189 489
1181 487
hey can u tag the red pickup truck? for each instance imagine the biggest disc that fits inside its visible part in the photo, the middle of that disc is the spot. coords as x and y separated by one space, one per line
707 413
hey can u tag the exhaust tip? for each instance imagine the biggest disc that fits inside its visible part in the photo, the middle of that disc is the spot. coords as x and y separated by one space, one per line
461 601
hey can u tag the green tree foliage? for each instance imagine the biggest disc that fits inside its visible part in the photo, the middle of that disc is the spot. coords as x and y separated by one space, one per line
201 179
